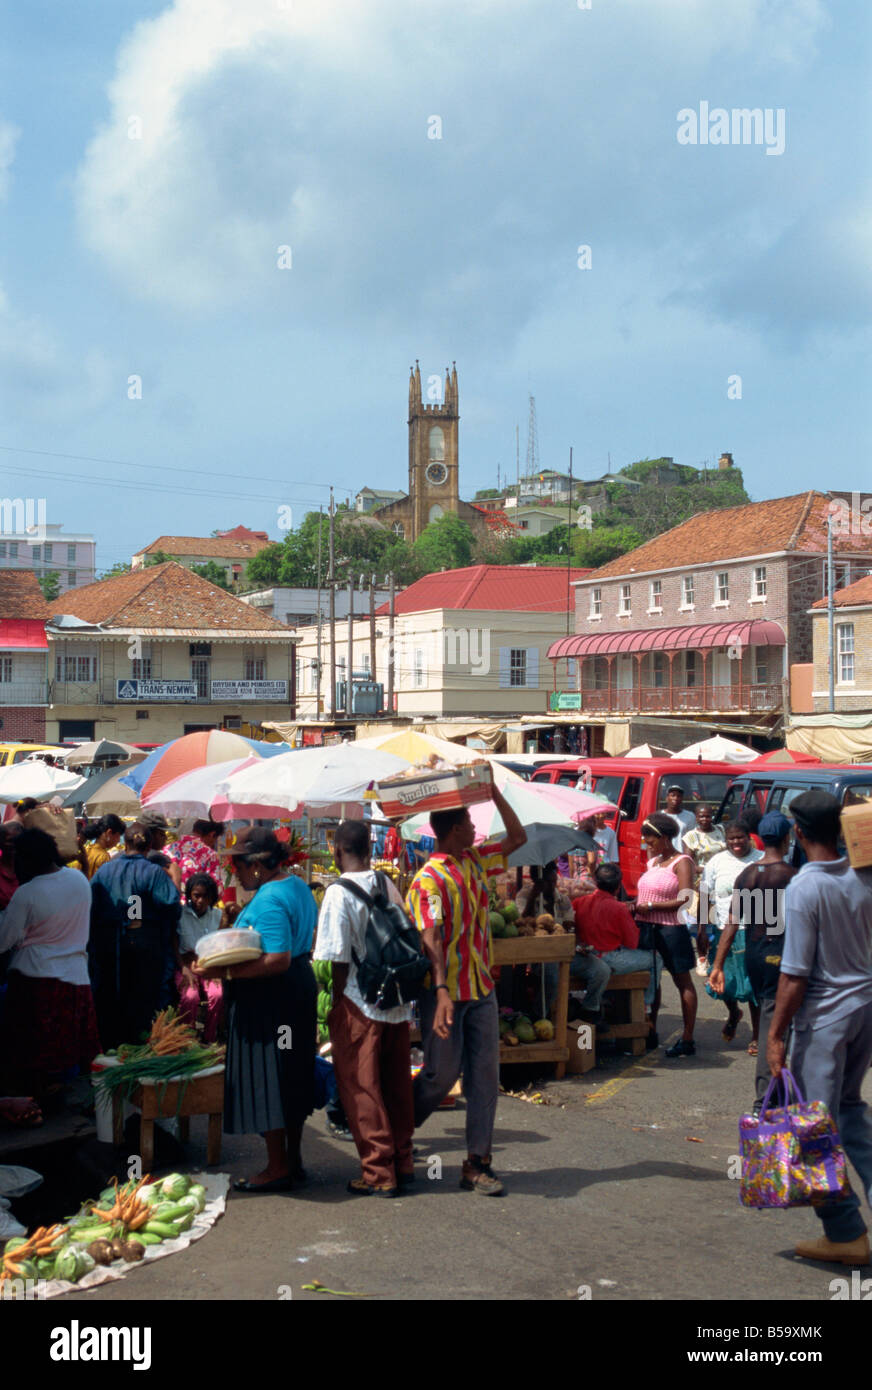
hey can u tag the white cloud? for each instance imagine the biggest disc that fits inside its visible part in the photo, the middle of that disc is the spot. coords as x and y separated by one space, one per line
38 372
265 124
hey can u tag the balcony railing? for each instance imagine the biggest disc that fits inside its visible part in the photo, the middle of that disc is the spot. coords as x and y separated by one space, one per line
711 699
18 693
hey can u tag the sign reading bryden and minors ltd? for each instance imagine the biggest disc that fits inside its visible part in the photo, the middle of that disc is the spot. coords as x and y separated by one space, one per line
249 690
142 690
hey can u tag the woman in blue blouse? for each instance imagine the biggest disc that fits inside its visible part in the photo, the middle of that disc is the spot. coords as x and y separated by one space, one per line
271 1012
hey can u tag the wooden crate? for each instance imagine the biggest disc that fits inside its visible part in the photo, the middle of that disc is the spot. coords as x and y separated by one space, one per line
635 1028
581 1059
530 950
534 950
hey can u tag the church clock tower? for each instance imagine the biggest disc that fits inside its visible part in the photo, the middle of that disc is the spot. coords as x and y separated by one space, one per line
433 461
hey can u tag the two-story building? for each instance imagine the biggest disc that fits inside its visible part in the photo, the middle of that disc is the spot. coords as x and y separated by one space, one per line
45 549
469 641
231 550
23 657
158 652
707 617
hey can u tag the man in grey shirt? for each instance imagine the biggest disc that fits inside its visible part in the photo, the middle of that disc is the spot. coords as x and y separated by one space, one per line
825 988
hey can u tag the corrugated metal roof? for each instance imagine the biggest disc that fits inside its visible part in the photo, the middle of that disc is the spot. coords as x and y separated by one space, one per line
500 588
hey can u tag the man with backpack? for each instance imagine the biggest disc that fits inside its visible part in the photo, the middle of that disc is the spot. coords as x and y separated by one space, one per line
459 1014
371 1055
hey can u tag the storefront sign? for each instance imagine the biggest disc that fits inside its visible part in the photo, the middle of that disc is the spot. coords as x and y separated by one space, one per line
249 690
565 699
142 691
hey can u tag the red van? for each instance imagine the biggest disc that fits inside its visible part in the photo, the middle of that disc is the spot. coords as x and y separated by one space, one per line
638 786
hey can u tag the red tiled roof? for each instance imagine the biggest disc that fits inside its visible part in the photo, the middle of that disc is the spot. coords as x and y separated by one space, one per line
165 596
21 596
853 594
758 632
242 533
797 523
518 588
219 547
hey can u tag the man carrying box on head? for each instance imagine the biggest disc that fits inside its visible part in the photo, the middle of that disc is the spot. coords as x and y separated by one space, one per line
459 1016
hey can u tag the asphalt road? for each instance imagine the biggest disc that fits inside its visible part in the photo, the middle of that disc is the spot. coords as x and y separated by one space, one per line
618 1188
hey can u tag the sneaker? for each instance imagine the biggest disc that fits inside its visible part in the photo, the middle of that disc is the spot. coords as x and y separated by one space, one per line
358 1188
681 1049
478 1176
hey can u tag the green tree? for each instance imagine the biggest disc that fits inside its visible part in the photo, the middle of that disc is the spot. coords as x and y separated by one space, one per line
214 573
50 585
120 567
361 546
603 543
446 543
157 557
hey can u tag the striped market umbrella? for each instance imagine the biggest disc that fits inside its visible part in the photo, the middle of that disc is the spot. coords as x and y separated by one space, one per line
190 751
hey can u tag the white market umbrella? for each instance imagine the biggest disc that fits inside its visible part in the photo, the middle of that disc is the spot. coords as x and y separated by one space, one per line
316 781
718 749
84 754
648 750
192 794
417 747
37 780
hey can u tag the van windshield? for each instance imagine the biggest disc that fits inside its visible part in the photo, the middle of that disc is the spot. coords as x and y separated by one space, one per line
700 789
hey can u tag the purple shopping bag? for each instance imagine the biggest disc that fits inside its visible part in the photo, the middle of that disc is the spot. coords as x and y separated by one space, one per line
792 1155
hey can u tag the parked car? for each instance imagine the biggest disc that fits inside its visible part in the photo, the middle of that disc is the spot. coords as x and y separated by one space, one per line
773 789
17 752
638 786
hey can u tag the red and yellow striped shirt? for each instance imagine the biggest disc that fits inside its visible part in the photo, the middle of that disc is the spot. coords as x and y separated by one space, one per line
452 894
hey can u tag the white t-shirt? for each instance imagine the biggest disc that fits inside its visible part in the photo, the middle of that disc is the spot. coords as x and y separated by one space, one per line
341 928
686 821
47 924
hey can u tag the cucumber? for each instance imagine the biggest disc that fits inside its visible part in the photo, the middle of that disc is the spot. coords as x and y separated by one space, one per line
83 1235
168 1211
185 1222
144 1237
164 1229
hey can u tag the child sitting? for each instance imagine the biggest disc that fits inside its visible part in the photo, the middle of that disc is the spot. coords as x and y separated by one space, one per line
200 916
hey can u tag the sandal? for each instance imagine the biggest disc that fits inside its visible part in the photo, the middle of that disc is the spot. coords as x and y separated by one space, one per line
752 1049
729 1031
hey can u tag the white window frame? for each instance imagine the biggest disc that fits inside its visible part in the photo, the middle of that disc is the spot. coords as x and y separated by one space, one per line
760 666
75 669
596 604
655 596
759 585
625 601
6 670
517 667
71 554
688 593
691 670
845 653
254 668
47 553
141 667
419 668
722 590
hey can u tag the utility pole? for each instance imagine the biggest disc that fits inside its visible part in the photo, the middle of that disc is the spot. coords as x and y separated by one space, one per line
349 660
831 618
318 640
372 627
391 613
569 554
331 585
518 461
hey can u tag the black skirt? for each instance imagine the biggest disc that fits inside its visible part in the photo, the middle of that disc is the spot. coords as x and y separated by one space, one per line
271 1045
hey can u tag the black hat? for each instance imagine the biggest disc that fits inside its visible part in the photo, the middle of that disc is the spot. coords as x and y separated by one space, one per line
252 842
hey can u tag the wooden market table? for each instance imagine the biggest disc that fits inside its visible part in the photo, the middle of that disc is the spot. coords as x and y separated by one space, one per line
540 950
203 1095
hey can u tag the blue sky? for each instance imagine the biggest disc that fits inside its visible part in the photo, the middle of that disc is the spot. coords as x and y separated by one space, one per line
304 123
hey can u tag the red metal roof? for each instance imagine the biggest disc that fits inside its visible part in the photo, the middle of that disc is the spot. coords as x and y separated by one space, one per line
513 588
23 633
756 632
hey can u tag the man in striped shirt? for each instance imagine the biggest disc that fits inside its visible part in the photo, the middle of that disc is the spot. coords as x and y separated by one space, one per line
459 1015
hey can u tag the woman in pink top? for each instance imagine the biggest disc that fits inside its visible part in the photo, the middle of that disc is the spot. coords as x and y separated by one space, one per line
665 887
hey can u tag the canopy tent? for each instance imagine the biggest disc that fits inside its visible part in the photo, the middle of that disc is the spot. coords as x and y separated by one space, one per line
757 632
718 749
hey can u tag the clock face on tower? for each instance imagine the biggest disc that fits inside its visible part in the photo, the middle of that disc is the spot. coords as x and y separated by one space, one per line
436 473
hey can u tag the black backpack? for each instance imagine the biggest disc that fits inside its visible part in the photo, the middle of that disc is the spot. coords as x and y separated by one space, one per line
393 969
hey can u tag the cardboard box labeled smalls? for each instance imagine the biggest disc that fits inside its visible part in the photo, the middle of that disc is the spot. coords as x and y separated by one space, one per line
857 830
435 791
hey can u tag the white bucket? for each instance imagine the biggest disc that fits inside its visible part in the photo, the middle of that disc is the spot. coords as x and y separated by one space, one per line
103 1102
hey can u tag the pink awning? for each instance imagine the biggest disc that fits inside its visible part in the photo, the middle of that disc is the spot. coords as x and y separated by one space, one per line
754 632
18 633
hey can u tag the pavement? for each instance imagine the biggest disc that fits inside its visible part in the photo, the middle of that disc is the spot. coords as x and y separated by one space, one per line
619 1188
